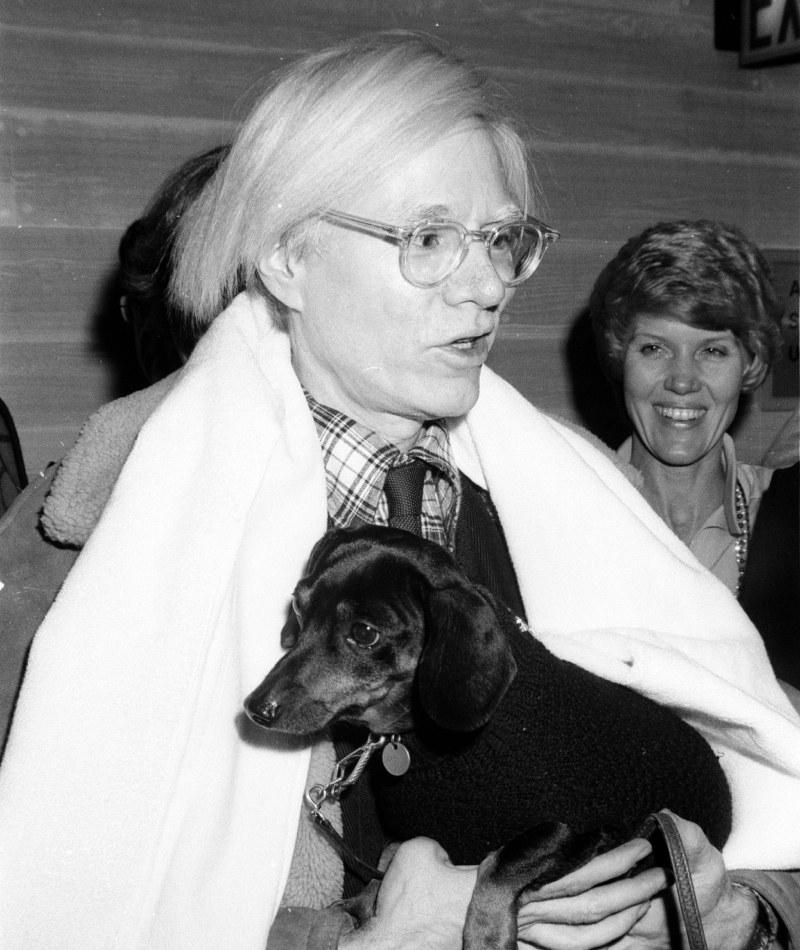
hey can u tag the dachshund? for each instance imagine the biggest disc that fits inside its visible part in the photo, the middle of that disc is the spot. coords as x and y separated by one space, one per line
521 762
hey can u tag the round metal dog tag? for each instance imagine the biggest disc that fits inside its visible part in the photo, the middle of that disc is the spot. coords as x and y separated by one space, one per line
396 758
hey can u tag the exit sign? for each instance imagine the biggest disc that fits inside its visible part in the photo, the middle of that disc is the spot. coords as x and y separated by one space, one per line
770 31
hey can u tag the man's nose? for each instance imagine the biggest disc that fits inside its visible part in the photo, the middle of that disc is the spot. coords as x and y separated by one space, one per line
476 280
683 376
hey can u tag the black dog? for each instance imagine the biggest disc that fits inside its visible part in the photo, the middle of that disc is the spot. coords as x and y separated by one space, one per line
513 751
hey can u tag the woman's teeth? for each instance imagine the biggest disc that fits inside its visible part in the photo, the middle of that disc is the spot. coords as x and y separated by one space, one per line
679 415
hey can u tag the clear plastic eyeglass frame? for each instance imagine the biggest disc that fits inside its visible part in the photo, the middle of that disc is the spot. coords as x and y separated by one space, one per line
405 236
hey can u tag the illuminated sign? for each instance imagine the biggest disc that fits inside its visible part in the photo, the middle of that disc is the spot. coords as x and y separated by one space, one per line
770 31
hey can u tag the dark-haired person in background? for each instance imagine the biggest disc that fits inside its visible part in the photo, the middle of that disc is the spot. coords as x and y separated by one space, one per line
164 335
770 590
686 321
770 593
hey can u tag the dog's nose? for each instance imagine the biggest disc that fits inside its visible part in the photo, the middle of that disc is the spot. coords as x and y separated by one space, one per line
262 714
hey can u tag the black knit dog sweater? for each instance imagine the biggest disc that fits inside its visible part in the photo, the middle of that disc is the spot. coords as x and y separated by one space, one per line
563 745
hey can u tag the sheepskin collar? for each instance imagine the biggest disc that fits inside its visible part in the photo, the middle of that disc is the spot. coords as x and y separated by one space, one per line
88 472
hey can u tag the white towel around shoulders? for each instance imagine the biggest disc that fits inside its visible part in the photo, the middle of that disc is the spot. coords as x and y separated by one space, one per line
138 811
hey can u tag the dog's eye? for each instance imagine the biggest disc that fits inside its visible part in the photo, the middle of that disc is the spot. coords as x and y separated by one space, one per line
295 607
363 635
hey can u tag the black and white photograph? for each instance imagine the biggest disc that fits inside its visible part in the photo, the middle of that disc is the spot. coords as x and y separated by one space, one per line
399 475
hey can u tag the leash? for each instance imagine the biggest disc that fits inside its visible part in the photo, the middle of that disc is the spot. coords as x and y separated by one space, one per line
687 899
355 761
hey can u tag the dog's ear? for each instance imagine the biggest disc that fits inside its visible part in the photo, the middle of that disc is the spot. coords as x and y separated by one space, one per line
466 664
290 633
291 630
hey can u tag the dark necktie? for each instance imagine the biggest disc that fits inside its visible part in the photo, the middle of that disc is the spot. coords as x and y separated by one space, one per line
403 488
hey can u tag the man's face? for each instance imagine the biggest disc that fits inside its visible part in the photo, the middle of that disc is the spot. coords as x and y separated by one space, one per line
367 342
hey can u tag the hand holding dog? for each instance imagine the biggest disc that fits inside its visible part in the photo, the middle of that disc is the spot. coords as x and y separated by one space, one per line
424 897
588 908
422 902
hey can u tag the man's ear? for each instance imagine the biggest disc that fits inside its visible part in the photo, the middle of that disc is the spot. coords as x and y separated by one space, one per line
282 273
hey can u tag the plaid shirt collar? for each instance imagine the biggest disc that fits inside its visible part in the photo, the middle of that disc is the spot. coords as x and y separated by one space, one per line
357 460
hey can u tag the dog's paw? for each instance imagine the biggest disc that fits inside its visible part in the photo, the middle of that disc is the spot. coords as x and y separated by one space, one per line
536 857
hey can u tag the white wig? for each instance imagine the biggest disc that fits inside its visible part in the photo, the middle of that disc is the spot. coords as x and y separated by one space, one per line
329 127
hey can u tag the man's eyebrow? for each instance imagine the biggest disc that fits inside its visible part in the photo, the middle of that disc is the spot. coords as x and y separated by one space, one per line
411 214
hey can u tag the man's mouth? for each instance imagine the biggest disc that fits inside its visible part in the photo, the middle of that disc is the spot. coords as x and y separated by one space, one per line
678 414
468 342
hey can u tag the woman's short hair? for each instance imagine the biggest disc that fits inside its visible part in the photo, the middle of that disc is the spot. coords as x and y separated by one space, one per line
328 127
163 330
707 274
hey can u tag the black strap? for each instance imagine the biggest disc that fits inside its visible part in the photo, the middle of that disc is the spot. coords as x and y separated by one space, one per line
347 853
687 899
361 828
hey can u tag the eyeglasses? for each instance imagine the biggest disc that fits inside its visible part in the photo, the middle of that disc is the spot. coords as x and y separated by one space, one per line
433 250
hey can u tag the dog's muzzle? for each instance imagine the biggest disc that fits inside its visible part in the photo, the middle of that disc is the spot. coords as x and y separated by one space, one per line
261 715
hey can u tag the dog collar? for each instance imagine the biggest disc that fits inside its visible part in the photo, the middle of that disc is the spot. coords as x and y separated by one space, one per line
346 772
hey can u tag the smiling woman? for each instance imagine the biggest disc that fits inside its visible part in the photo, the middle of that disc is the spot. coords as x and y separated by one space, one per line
682 387
686 320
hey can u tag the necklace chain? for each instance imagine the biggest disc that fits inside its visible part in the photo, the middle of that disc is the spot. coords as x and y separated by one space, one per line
743 541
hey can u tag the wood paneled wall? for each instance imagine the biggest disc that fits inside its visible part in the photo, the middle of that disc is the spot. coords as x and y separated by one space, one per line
636 118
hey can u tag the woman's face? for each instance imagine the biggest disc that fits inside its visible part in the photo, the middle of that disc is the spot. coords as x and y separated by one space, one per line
367 342
682 387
